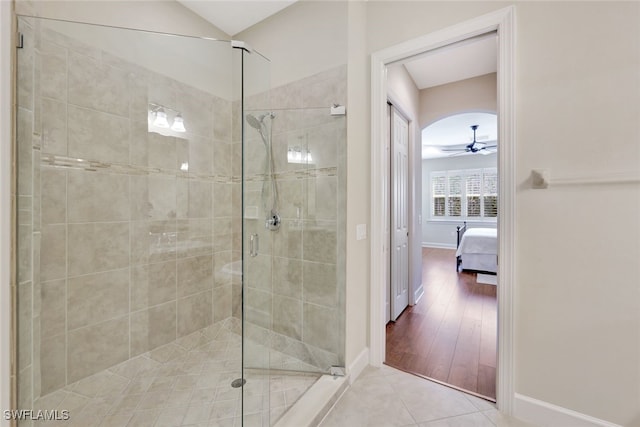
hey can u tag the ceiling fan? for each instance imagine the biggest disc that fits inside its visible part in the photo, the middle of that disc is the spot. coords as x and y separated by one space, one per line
473 147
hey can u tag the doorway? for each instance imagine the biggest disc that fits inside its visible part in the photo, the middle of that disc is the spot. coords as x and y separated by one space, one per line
501 21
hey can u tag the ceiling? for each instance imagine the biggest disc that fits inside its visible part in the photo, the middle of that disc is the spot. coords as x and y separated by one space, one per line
461 61
234 16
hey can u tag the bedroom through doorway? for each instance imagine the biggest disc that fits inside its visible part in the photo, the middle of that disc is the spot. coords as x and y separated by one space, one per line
448 333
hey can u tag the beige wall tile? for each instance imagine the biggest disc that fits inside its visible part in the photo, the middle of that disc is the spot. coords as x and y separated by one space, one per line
52 363
153 197
222 234
25 247
325 192
258 307
194 312
25 324
97 86
53 308
153 327
93 196
200 151
287 277
225 269
153 284
319 243
222 302
195 237
95 298
197 109
194 198
153 241
25 59
54 196
195 275
287 316
320 285
53 70
291 198
94 135
53 255
162 151
222 158
221 119
24 151
97 347
54 127
223 201
320 327
287 243
258 272
25 388
96 247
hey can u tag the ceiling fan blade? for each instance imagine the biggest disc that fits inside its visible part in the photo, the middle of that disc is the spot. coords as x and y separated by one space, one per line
489 146
458 154
453 149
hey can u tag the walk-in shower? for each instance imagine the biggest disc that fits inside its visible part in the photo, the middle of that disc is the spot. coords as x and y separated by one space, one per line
139 188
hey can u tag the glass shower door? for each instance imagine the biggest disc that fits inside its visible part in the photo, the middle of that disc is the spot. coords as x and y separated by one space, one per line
293 249
128 234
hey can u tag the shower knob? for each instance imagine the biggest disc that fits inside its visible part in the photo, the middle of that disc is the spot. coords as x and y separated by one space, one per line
273 222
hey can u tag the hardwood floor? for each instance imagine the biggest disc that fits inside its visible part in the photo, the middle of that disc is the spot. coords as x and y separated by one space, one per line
450 335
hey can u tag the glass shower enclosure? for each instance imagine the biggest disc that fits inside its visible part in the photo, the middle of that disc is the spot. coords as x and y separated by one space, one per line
158 253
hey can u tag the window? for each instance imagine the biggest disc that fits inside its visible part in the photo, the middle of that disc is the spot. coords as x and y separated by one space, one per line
464 194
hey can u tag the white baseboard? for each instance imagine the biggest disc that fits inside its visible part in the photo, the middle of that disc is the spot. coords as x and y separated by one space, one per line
437 245
545 414
418 294
357 366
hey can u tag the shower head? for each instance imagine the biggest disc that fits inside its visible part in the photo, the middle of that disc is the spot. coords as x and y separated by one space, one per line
255 122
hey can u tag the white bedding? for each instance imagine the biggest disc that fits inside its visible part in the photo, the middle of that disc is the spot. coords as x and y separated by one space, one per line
479 241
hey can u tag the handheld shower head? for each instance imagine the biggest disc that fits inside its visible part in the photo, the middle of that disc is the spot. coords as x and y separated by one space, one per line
255 122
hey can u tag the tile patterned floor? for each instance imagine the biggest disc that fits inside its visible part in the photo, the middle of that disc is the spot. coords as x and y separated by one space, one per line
387 397
185 383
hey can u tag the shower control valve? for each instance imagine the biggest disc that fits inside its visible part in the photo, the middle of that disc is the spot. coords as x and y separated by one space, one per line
273 221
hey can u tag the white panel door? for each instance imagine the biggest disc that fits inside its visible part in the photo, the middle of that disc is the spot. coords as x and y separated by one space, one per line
399 213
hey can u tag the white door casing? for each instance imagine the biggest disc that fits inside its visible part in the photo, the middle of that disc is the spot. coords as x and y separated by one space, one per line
502 21
399 213
387 221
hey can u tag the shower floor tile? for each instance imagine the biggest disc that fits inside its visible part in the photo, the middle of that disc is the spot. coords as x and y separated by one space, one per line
184 383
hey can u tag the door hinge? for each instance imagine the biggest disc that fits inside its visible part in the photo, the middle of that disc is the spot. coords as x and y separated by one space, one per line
19 40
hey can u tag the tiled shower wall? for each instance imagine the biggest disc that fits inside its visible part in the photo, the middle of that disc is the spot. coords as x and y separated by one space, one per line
122 250
295 287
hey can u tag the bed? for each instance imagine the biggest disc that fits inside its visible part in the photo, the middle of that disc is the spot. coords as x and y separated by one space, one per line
477 249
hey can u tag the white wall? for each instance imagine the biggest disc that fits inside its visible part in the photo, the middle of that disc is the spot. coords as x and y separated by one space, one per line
577 308
442 233
301 40
358 173
405 95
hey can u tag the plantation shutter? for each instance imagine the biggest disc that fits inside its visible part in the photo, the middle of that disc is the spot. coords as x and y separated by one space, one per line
455 194
474 193
439 193
490 193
